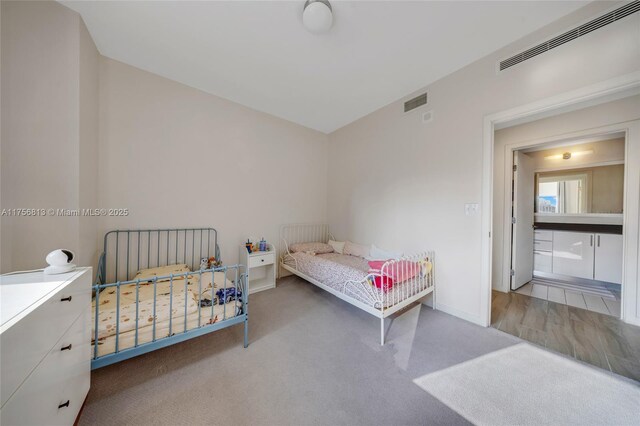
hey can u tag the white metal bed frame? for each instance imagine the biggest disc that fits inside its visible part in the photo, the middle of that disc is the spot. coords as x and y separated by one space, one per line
383 304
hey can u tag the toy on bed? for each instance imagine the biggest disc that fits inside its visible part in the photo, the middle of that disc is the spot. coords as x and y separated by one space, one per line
209 262
227 295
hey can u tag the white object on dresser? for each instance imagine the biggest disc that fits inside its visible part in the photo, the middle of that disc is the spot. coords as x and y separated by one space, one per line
261 267
45 346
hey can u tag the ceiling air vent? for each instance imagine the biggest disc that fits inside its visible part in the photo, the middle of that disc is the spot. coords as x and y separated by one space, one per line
416 102
592 25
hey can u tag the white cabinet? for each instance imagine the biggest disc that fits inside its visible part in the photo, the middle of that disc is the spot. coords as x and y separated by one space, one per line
45 340
542 251
573 254
608 258
261 267
542 261
585 255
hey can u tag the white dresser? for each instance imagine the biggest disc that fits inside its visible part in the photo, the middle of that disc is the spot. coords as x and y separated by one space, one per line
45 347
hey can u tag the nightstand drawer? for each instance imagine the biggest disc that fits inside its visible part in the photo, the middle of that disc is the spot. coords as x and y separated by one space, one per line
261 260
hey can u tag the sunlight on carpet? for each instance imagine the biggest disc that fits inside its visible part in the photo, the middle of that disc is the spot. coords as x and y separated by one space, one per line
526 385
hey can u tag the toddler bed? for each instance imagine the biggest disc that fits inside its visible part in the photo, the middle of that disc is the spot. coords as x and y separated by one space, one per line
380 287
135 310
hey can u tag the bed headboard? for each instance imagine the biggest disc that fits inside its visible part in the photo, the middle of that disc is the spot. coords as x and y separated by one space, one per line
128 251
302 233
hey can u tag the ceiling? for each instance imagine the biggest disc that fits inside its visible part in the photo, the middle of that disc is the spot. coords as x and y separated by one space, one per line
258 53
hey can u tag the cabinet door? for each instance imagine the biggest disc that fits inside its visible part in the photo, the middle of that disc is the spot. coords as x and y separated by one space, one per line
573 254
608 258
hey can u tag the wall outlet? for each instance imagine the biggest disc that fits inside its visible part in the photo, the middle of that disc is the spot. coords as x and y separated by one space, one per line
471 209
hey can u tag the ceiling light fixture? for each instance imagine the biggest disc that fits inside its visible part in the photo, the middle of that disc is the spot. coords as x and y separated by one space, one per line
568 155
317 16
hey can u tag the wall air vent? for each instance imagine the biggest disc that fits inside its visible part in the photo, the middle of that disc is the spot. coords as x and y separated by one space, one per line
416 102
592 25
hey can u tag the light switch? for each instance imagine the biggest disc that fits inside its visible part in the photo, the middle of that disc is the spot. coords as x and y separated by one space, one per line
471 209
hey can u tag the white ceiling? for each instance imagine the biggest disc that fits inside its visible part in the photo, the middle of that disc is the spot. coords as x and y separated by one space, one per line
258 53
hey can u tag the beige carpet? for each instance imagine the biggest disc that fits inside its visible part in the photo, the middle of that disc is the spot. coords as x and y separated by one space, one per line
525 385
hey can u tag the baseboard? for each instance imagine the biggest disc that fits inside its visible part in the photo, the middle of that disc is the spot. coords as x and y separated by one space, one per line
633 321
460 314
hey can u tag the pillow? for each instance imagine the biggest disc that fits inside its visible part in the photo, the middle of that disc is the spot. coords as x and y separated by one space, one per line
338 246
317 248
400 271
377 253
354 249
160 271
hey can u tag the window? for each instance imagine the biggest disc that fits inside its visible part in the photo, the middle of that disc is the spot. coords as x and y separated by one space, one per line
562 194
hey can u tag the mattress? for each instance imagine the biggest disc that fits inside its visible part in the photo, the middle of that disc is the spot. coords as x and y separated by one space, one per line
334 270
172 300
107 345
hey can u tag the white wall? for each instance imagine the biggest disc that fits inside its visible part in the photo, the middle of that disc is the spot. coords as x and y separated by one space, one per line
47 100
178 157
592 117
402 184
89 240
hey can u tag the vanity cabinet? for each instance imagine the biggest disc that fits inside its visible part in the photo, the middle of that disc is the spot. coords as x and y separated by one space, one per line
587 255
573 254
608 258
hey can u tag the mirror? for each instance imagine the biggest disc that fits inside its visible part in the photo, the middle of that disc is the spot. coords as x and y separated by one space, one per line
580 191
564 194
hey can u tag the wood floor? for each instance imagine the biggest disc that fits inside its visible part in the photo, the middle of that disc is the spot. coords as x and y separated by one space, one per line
598 339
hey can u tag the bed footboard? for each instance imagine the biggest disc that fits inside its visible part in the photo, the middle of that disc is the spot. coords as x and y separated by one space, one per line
397 283
138 316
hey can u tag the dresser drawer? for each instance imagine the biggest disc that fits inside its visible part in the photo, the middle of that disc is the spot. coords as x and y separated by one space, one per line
264 259
542 245
543 235
27 342
542 261
63 375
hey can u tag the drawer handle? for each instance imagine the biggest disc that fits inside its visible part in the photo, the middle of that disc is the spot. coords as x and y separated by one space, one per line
66 299
66 404
66 348
261 260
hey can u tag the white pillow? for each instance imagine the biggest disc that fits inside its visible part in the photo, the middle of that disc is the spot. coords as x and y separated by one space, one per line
354 249
377 253
316 248
338 246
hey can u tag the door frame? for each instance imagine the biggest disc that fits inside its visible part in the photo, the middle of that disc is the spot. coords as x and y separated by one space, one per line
599 132
590 95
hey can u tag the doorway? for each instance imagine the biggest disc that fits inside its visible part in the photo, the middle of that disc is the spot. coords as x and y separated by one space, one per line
567 222
587 344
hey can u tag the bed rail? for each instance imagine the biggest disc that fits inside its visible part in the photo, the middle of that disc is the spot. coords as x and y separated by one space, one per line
397 283
127 251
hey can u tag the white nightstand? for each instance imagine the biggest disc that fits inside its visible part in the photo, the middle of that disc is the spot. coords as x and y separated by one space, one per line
261 267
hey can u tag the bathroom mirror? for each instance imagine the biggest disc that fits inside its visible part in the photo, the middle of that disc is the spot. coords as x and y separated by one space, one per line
580 191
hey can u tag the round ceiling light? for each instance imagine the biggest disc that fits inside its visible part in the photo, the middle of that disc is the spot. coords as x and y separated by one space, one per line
317 16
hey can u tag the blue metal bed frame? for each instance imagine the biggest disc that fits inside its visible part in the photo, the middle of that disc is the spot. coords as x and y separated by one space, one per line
150 248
